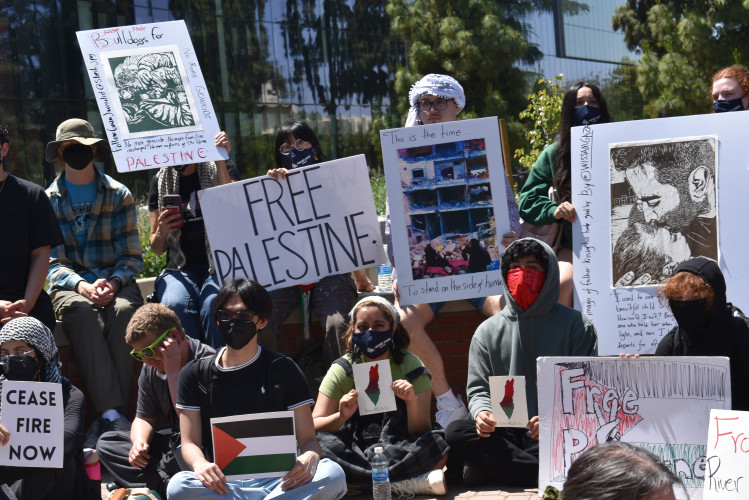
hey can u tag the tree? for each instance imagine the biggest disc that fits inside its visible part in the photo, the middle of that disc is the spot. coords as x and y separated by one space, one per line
683 42
623 97
544 114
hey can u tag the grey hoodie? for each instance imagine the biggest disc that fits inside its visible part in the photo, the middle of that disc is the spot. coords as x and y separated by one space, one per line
548 328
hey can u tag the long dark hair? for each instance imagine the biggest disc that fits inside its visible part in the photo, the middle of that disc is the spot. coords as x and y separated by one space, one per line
299 130
563 162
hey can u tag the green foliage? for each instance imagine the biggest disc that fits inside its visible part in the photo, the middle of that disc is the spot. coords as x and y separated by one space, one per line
682 43
152 263
544 116
623 97
377 180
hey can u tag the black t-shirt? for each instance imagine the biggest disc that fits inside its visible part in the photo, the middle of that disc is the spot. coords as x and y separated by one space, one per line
29 222
244 389
192 238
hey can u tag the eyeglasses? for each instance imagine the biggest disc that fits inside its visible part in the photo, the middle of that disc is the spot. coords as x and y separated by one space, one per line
243 316
439 105
299 145
18 354
149 352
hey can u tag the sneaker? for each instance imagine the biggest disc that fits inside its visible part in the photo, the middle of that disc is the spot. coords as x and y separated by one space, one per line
448 412
430 483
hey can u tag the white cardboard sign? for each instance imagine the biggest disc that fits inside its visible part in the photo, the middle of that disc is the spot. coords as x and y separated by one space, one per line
152 97
446 187
662 404
33 414
320 220
374 387
653 216
509 406
727 462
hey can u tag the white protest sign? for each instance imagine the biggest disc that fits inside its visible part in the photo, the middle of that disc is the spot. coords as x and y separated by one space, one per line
374 386
33 414
152 97
509 406
448 209
318 221
658 403
727 455
650 194
255 445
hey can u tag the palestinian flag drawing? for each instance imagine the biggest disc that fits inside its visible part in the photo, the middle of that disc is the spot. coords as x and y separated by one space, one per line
373 389
374 386
255 445
509 405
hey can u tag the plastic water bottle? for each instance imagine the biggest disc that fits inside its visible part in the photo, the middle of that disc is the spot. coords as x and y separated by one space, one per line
384 277
380 476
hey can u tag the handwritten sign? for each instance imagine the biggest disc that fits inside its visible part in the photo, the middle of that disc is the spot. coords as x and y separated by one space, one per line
33 414
448 208
152 97
374 387
509 406
727 464
633 320
320 220
661 404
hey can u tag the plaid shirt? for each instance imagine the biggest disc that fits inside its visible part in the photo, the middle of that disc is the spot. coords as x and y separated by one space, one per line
112 248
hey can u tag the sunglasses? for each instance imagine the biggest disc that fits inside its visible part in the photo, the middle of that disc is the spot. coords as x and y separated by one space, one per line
243 316
148 352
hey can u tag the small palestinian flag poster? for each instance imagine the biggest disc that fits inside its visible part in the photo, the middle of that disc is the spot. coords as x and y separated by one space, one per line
256 445
374 386
509 405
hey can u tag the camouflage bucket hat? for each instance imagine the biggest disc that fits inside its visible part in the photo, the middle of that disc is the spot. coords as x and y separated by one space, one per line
79 130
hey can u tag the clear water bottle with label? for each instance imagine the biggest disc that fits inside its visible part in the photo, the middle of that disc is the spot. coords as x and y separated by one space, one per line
380 476
384 277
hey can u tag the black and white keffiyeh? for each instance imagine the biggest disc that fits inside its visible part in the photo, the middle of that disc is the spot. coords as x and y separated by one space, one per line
443 86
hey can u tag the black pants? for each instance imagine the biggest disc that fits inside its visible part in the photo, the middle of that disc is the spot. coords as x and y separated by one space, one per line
114 449
507 456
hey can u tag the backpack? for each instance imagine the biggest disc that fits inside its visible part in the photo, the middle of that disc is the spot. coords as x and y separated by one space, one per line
551 234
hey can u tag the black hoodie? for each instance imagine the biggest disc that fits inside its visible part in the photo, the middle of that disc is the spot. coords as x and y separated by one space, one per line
727 334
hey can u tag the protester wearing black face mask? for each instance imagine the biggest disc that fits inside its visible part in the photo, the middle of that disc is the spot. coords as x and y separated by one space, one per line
707 325
730 90
28 353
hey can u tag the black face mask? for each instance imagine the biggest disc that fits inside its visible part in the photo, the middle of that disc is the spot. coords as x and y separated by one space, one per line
78 156
732 105
691 315
296 158
181 168
373 343
237 334
22 368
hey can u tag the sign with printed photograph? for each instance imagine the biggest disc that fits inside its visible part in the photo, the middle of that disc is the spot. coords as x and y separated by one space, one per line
374 387
649 195
318 221
255 445
662 404
727 455
509 406
33 414
448 209
151 94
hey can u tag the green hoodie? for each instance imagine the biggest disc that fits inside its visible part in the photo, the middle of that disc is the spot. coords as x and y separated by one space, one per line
497 347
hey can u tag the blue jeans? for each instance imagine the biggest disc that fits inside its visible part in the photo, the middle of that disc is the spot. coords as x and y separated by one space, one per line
329 483
477 302
191 294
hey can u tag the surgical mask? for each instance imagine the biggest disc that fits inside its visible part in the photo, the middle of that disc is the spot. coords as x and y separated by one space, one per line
237 334
373 343
525 285
22 368
78 156
691 315
732 105
298 158
585 115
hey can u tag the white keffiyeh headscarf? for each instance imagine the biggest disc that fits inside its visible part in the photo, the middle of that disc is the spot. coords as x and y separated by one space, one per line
442 86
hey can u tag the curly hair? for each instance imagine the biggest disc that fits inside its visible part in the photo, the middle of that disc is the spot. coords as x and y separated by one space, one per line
676 285
738 73
401 338
520 249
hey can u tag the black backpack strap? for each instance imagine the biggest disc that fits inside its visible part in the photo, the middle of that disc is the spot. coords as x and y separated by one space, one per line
416 373
276 381
344 363
204 389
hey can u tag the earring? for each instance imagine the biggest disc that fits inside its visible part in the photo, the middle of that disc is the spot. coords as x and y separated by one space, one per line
316 158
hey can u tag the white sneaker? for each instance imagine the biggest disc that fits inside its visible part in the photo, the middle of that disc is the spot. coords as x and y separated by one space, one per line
448 412
429 483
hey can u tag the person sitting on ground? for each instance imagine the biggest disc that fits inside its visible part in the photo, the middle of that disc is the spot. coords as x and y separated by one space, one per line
439 99
532 324
91 275
583 104
188 283
28 353
707 324
30 232
333 296
239 374
143 457
730 90
415 451
617 471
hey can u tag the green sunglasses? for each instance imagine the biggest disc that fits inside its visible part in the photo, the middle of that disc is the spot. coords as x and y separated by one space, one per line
148 352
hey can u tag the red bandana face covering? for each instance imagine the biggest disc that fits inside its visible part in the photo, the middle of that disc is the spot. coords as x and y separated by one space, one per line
525 284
